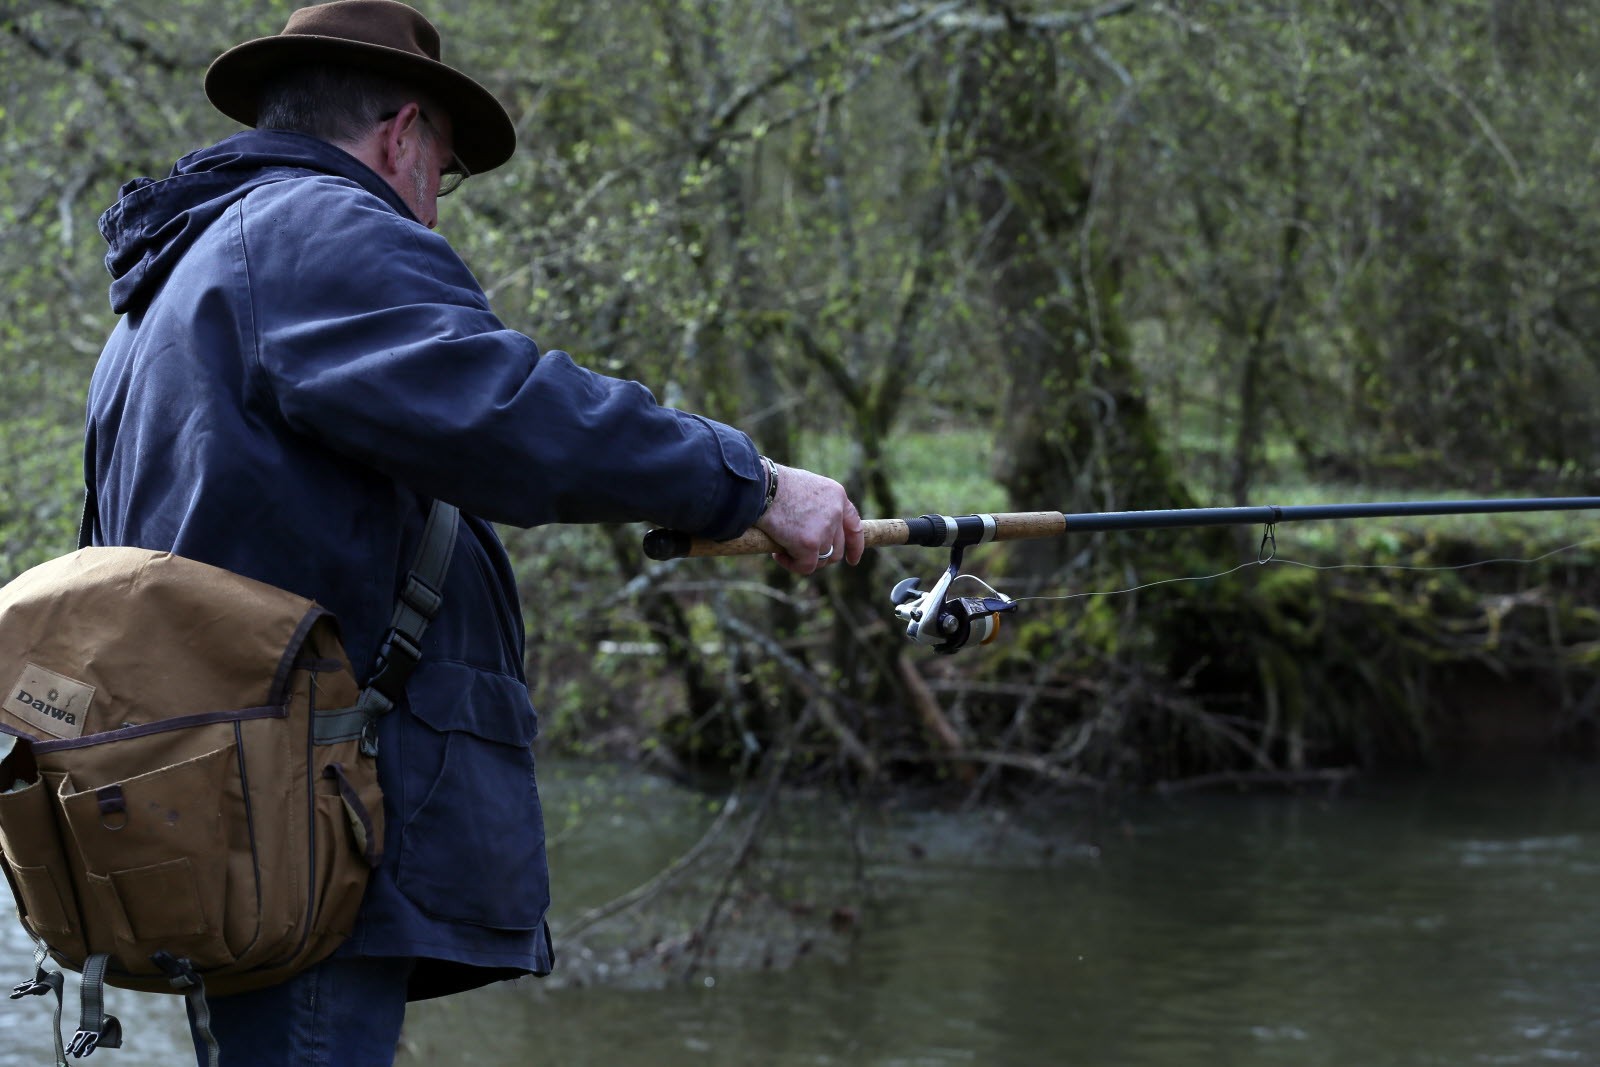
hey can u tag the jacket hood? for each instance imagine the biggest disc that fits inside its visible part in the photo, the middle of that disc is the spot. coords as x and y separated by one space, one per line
154 222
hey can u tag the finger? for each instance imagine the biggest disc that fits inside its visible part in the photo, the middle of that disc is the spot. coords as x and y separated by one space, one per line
796 565
855 536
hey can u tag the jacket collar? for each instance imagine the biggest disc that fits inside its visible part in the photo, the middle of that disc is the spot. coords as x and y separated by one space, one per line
155 221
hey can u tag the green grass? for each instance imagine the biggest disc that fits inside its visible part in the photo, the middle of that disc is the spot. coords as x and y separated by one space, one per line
944 471
948 471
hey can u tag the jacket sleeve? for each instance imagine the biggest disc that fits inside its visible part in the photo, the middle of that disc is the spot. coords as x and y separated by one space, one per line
372 336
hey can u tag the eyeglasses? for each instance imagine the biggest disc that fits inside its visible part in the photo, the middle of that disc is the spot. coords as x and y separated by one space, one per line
454 172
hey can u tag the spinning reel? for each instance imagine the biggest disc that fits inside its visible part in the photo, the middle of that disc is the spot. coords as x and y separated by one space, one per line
945 622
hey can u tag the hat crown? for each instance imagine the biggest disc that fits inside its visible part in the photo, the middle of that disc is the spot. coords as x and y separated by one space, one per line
384 38
385 23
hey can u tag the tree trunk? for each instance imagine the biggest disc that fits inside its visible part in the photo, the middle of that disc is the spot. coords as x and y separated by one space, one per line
1075 433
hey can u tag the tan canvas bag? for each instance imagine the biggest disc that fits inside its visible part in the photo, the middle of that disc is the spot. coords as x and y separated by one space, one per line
189 797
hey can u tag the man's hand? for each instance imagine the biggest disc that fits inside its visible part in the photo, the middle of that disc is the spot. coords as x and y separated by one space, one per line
814 522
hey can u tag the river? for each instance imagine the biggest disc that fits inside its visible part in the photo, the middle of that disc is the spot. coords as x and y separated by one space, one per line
1445 922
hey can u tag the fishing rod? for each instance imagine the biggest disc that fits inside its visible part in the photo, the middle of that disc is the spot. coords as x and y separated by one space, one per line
947 623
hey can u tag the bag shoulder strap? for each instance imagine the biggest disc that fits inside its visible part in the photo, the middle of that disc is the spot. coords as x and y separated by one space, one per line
87 516
420 598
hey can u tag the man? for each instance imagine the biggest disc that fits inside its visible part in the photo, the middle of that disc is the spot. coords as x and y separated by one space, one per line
301 366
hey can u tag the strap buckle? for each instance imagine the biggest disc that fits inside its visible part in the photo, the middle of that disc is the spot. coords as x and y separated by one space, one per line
86 1041
36 987
397 658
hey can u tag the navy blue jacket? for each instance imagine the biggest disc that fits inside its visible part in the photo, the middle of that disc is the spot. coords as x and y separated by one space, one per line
300 367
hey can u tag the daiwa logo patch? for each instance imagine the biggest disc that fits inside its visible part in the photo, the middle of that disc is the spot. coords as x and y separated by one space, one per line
49 702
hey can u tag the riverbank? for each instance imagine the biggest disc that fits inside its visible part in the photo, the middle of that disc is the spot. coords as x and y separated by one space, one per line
1325 649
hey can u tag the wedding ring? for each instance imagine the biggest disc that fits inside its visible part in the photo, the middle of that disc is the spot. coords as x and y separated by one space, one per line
826 554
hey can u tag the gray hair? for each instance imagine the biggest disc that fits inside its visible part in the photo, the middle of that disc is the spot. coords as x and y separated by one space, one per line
336 104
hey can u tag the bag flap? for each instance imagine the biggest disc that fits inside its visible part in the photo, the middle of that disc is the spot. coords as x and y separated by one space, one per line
107 637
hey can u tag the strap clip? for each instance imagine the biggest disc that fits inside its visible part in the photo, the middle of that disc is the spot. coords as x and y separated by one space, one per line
37 987
397 658
86 1041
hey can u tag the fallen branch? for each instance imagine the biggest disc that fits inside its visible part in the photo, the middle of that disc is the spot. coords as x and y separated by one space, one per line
1332 777
1033 764
927 705
823 697
664 878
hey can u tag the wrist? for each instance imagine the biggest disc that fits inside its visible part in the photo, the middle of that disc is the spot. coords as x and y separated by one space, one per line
772 487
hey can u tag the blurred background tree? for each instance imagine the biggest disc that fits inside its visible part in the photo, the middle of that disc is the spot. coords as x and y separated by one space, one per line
963 256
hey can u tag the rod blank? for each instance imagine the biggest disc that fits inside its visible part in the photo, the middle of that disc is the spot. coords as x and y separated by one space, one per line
934 531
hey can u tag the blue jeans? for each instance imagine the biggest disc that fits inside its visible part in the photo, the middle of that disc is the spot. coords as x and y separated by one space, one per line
340 1013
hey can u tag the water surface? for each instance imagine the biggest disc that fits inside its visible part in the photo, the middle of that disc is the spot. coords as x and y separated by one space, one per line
1446 922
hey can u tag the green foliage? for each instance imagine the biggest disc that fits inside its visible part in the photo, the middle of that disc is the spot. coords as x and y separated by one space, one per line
1376 257
962 258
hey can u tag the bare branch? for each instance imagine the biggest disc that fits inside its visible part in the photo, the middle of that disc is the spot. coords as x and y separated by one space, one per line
1010 22
827 697
1454 92
1036 765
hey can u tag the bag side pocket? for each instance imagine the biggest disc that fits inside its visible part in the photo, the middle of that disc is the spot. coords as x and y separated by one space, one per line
30 838
341 872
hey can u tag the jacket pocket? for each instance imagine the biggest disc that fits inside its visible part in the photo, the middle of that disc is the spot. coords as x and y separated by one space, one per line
472 838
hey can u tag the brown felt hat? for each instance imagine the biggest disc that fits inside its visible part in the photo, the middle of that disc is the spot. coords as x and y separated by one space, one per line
383 37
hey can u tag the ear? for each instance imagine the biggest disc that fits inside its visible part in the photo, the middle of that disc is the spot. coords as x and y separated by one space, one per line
399 138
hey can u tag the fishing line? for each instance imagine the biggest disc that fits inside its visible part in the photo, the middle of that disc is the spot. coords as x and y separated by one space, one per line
1273 557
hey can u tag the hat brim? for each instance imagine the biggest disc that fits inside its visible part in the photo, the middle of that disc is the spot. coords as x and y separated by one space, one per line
484 135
